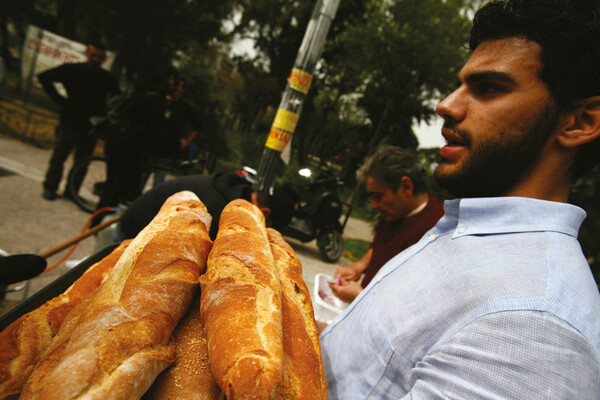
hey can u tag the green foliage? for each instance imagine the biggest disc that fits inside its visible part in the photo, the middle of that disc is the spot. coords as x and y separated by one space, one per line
277 27
586 194
407 52
354 249
382 71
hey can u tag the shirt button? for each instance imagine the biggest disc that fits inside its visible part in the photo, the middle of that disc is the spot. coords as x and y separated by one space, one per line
462 229
432 237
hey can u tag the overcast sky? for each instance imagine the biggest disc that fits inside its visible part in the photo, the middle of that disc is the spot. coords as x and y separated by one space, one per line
430 135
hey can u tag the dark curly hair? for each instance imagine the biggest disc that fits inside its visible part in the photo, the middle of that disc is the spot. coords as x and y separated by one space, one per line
568 32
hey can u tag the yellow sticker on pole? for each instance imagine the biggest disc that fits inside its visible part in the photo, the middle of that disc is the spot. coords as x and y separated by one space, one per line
278 140
286 120
282 129
300 80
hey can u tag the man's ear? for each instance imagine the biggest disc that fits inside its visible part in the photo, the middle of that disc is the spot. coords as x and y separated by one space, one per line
583 124
406 185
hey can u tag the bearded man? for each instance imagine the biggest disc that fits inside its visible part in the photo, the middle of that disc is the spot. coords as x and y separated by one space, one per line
497 300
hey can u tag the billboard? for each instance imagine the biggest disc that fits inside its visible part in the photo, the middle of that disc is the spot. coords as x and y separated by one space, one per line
43 50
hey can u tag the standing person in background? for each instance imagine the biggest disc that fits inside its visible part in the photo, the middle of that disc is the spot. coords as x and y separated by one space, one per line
185 120
153 135
88 86
174 141
497 301
395 180
127 157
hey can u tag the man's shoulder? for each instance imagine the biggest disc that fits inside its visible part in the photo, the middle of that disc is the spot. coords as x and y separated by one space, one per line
72 66
107 74
57 70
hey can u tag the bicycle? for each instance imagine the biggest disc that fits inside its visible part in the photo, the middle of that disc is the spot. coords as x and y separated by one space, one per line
87 178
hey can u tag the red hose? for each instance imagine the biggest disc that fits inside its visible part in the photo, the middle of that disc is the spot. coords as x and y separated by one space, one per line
85 227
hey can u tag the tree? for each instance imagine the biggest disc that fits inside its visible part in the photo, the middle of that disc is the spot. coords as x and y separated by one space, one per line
145 34
384 65
277 28
395 59
408 52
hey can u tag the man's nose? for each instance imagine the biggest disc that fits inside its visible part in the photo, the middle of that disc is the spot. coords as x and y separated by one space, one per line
453 107
374 204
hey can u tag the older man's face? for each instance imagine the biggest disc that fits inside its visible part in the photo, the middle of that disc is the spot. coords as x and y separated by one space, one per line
392 206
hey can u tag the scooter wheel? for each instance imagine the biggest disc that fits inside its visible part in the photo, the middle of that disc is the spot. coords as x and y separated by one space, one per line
330 243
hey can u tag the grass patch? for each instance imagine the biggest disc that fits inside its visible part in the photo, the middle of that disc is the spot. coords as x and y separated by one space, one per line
355 248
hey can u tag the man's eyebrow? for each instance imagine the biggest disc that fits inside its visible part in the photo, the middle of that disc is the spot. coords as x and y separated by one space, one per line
481 76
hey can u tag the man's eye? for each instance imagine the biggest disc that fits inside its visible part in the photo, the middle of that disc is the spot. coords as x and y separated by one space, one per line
488 88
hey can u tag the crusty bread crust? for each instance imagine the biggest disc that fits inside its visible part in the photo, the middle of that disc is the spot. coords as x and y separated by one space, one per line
116 342
23 341
241 307
190 377
304 377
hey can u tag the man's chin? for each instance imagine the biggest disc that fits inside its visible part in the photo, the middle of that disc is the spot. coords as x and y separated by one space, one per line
389 217
445 170
451 180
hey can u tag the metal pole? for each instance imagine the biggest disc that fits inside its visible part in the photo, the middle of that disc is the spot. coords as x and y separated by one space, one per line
31 73
278 145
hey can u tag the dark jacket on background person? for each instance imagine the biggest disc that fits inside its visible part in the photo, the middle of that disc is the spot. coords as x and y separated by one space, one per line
127 157
215 191
87 92
180 119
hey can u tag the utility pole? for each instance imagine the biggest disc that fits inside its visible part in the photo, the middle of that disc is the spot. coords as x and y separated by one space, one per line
278 146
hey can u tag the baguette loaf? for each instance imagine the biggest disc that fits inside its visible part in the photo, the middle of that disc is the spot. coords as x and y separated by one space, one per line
115 343
304 377
23 341
190 378
241 307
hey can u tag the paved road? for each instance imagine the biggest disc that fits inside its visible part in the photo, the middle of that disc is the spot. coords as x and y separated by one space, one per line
31 224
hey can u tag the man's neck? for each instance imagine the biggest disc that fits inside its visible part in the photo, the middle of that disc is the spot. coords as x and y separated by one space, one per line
420 203
550 178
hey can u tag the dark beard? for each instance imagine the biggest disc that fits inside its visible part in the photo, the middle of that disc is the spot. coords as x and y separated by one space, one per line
499 164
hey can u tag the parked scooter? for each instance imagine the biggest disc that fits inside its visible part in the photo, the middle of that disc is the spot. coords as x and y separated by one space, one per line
318 213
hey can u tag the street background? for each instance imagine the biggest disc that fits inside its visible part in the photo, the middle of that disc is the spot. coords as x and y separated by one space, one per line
30 224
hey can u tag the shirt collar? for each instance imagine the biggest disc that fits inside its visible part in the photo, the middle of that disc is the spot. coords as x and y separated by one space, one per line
480 216
418 209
